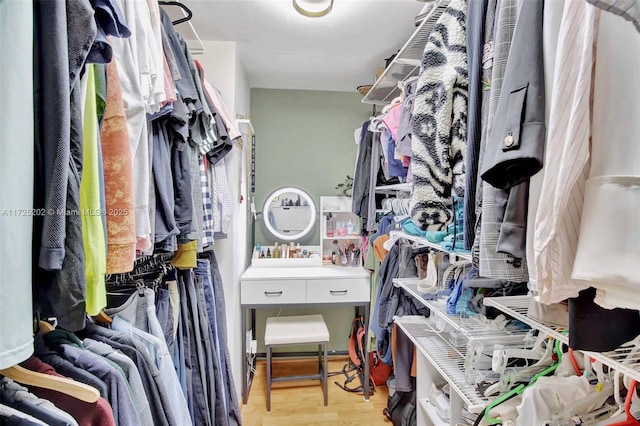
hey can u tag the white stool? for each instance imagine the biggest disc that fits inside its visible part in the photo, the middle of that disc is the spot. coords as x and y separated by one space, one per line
295 330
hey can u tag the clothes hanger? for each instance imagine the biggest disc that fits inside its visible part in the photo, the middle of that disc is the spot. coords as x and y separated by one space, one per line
578 408
630 421
181 6
103 318
509 378
69 387
42 327
592 406
518 390
574 363
394 102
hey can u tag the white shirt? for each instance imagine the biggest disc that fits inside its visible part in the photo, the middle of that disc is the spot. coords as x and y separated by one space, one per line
608 255
567 155
126 53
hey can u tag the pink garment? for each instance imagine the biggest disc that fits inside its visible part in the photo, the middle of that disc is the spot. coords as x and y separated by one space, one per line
392 120
169 85
220 107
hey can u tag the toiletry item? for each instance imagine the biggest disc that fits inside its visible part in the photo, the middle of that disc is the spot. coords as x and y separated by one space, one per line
350 227
276 251
356 228
331 226
268 253
262 254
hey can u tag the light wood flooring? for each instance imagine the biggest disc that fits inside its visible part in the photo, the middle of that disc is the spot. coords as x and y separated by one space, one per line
301 402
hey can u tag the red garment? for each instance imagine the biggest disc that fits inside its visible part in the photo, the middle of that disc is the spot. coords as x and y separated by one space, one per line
98 413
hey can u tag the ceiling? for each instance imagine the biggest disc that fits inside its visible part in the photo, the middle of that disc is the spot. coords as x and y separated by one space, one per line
281 49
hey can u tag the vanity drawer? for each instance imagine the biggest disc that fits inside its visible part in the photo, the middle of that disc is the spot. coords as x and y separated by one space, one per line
336 291
273 292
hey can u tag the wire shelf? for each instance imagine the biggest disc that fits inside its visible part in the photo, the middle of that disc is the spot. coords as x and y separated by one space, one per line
517 306
446 358
398 187
423 242
406 63
472 330
625 359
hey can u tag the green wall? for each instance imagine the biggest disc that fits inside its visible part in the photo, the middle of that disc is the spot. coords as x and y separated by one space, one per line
305 138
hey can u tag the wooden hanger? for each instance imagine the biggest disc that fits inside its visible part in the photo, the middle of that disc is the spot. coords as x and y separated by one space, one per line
42 327
69 387
103 318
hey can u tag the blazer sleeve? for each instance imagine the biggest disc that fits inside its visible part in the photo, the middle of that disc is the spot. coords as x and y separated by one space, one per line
515 148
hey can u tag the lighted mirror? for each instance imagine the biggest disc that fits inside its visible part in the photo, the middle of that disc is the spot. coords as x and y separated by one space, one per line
289 214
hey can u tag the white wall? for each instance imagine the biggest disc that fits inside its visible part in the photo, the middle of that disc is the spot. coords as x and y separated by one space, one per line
219 63
225 72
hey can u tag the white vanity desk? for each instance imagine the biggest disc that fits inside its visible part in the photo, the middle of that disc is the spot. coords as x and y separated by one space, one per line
282 287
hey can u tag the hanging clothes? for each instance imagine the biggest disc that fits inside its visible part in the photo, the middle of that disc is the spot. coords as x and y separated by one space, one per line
98 413
629 9
93 233
215 301
516 142
124 51
18 397
561 199
612 192
439 126
118 178
492 263
16 165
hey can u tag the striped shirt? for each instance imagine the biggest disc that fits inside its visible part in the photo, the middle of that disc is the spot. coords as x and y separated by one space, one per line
566 168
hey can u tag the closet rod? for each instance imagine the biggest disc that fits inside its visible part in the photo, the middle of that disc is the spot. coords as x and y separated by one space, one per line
181 6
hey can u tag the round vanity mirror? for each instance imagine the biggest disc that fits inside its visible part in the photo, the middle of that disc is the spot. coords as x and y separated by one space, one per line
289 214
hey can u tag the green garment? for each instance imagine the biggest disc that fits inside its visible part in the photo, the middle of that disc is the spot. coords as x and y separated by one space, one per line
93 232
372 264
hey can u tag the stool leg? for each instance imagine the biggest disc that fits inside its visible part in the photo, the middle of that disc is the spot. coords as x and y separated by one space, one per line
268 378
325 375
320 359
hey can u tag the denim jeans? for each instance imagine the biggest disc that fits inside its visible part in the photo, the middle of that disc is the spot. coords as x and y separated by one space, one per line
221 402
193 350
214 386
217 302
177 354
165 318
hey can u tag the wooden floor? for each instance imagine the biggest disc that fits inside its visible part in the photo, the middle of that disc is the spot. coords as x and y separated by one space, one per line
301 402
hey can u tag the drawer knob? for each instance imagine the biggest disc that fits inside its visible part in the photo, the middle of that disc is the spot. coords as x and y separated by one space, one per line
338 292
273 293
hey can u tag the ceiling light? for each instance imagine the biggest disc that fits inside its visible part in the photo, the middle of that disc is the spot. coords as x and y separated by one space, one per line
313 8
